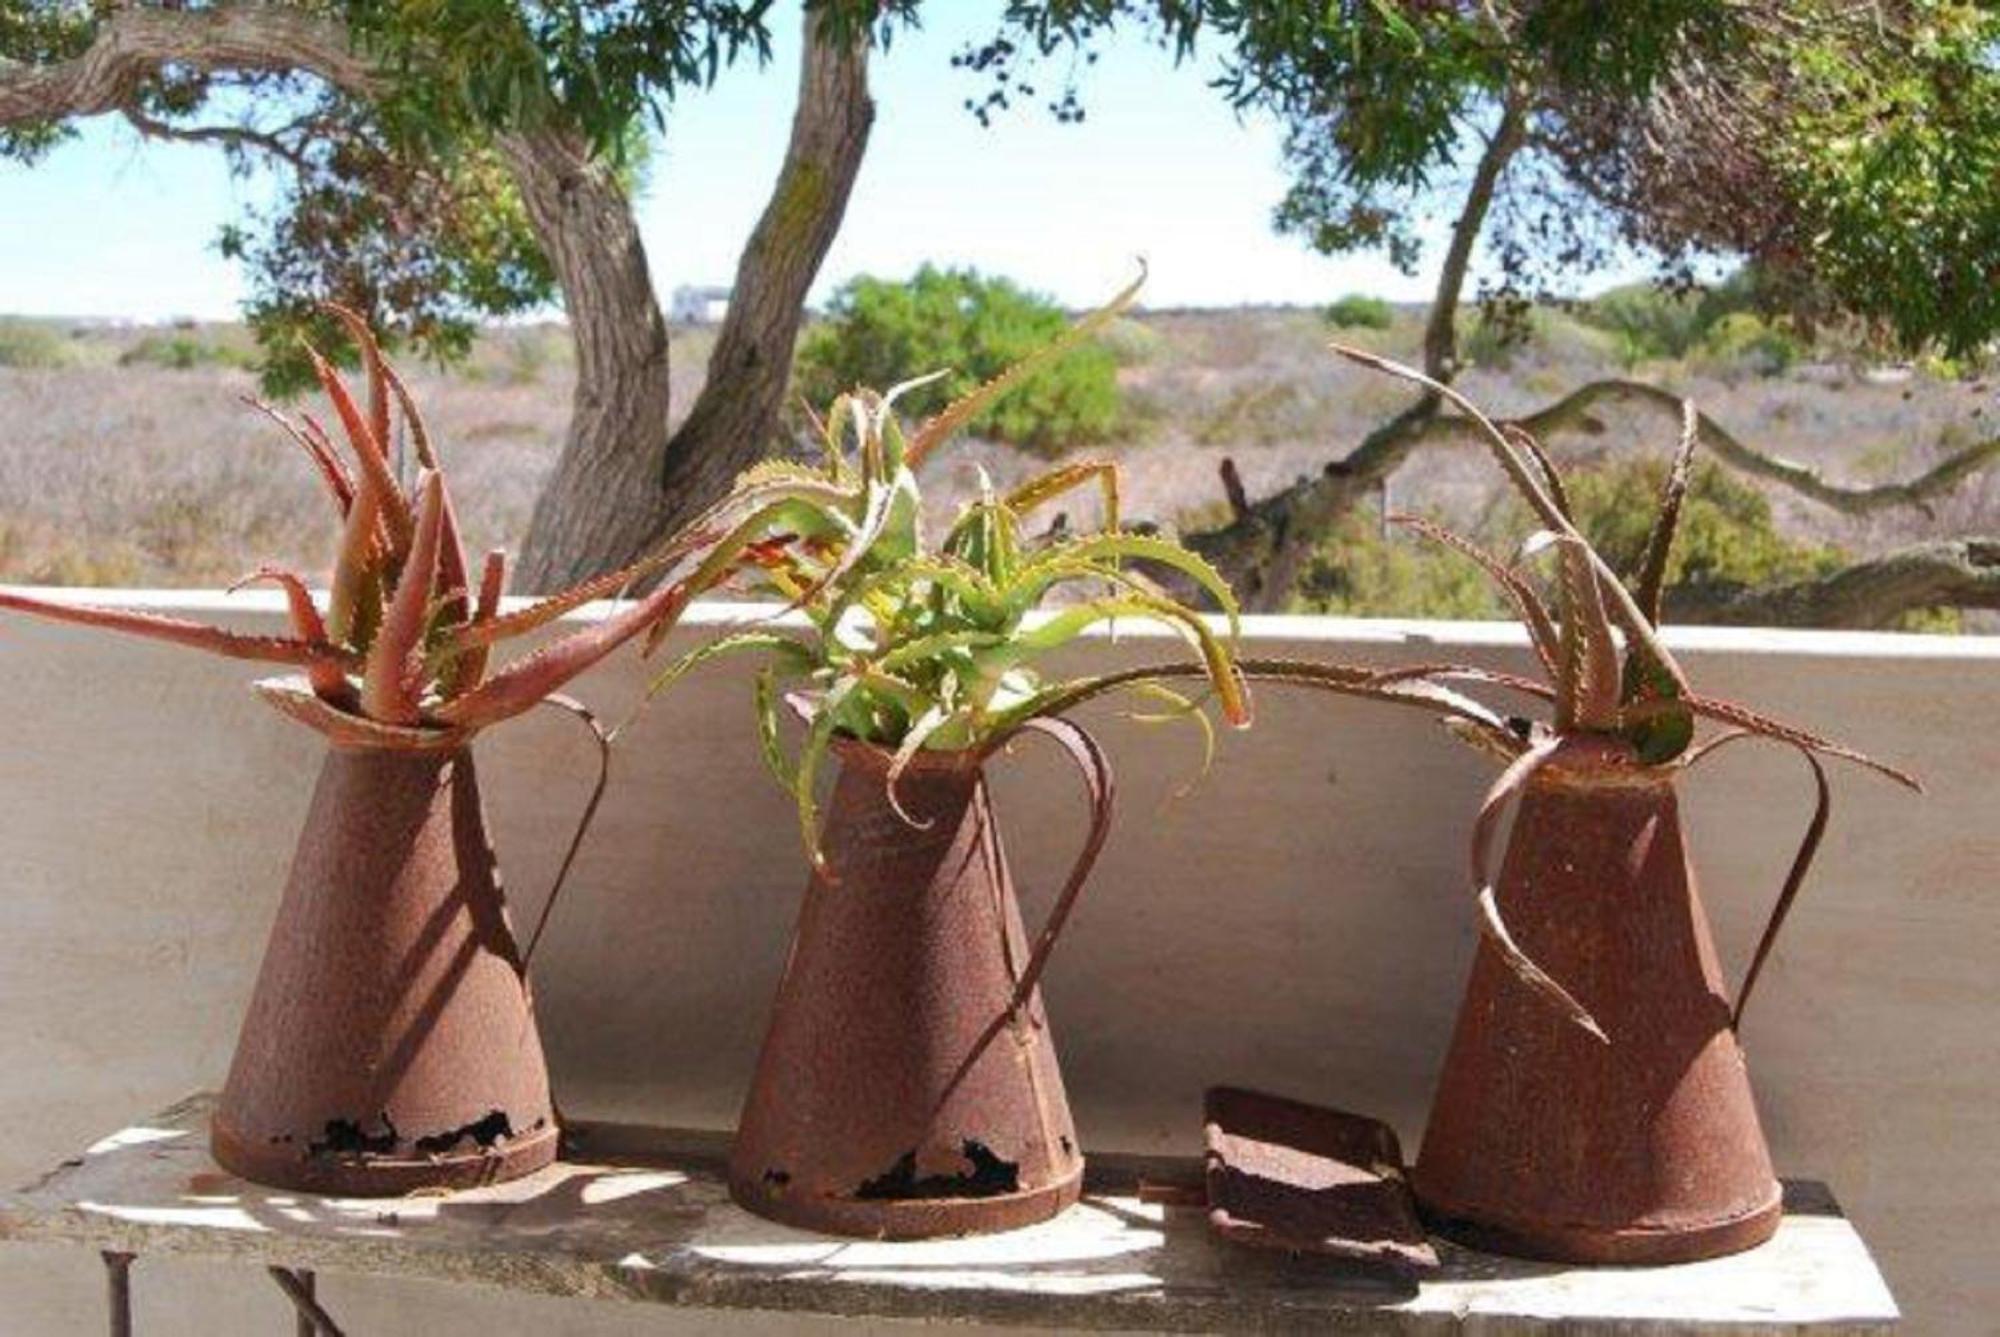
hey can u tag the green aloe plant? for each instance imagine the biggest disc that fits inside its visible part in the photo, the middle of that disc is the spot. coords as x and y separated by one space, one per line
911 644
399 656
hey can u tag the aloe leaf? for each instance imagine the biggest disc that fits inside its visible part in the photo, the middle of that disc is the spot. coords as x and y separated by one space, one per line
339 483
1117 546
1650 585
490 628
1517 468
1180 707
1511 780
819 737
376 476
392 685
372 364
773 752
963 410
1728 712
326 676
1046 487
1068 623
519 685
779 645
921 730
178 631
1596 685
350 610
1534 614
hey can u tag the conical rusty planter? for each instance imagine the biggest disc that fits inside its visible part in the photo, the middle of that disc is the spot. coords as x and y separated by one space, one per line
390 1043
1547 1142
908 1086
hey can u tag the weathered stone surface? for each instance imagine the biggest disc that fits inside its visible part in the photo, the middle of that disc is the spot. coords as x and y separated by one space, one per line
643 1215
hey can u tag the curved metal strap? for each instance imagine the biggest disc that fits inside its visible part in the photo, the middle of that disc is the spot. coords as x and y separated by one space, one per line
596 727
1083 750
1801 864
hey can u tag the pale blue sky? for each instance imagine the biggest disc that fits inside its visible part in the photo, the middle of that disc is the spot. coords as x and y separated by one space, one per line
114 226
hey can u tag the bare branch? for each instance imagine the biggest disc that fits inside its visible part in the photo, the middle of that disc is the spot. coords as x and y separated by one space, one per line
1954 573
228 136
1573 413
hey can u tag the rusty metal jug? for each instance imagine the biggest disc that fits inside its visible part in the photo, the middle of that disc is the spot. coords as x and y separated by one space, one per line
390 1043
1543 1139
908 1085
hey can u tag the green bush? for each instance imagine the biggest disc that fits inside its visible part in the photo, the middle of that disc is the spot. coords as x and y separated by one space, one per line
33 345
1727 537
1652 323
879 332
183 351
1743 342
1358 312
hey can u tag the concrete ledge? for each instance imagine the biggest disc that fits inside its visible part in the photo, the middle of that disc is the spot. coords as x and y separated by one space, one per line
650 1220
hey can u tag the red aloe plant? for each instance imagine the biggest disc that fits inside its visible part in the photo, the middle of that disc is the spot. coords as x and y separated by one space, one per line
399 656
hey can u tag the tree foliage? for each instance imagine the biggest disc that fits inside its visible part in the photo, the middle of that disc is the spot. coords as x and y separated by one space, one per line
395 203
1846 147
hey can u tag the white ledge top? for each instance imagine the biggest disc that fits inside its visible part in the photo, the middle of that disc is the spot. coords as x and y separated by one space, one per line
1259 630
649 1219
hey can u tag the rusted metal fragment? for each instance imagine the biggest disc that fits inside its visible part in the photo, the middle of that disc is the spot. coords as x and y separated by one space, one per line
390 1044
1547 1142
902 1092
1286 1175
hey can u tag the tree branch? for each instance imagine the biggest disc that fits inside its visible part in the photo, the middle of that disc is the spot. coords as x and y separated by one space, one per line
1953 573
1262 549
133 44
229 136
1573 413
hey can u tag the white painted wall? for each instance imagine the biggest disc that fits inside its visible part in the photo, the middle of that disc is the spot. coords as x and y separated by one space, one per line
1300 923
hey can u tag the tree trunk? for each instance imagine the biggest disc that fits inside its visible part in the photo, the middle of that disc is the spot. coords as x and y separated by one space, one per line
623 482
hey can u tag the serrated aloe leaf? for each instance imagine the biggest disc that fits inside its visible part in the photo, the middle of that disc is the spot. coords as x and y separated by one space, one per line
392 685
782 647
376 477
517 687
1057 482
350 610
1113 547
1650 586
1068 623
178 631
1524 476
963 410
339 484
326 677
372 366
1528 605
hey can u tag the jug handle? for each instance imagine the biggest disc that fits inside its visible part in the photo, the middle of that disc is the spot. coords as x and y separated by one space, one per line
1083 750
1801 863
596 727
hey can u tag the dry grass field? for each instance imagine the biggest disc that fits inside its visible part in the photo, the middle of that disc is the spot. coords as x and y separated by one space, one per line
129 458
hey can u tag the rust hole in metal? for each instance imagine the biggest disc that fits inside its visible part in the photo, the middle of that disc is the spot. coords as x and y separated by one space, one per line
345 1137
989 1177
495 1127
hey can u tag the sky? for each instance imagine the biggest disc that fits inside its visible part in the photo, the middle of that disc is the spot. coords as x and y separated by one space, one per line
113 226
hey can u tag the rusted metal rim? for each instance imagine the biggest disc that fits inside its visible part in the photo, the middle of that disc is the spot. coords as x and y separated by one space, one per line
1678 1242
874 756
373 1176
911 1219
